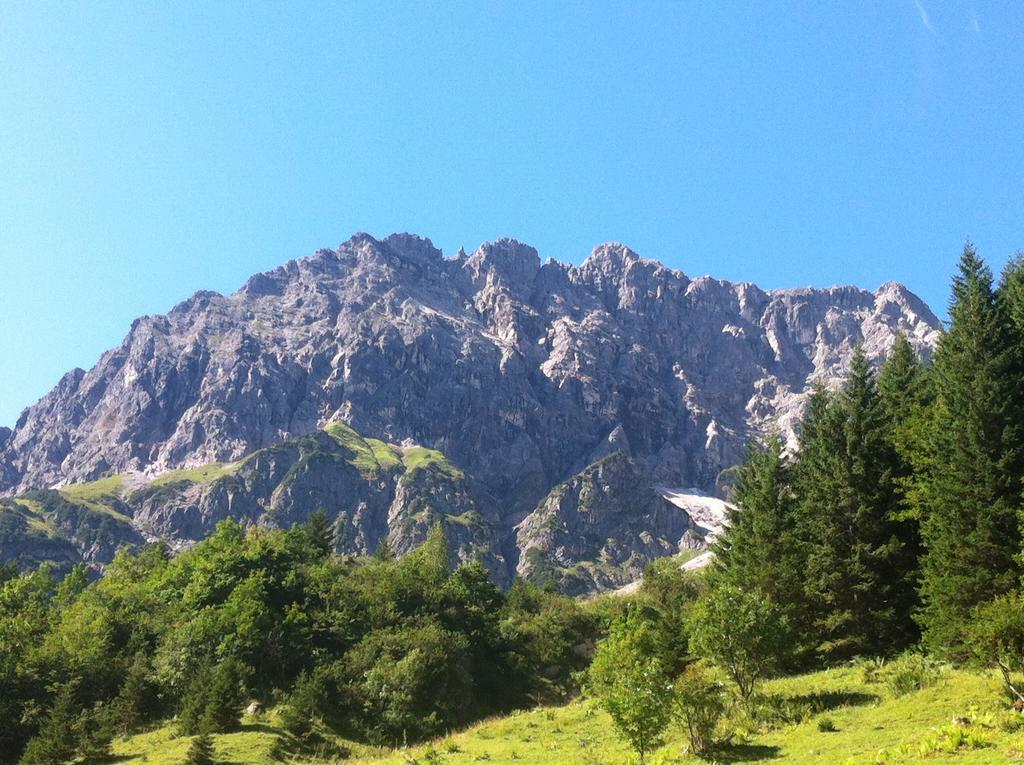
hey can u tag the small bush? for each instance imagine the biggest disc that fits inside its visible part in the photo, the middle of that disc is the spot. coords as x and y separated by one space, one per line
912 672
827 725
997 640
700 703
871 670
1011 721
952 738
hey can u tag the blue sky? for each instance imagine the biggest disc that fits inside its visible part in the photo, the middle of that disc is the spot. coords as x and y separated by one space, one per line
148 150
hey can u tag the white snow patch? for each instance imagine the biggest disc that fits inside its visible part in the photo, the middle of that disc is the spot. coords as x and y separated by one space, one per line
709 513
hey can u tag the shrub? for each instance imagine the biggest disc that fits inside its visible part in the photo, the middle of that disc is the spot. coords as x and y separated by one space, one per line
700 703
408 682
827 725
951 738
871 670
912 672
770 712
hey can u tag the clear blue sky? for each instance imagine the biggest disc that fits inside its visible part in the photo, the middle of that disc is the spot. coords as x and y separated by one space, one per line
148 150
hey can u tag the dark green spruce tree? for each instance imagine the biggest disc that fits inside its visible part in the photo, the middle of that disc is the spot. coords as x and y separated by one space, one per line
904 387
758 549
319 533
905 392
55 742
968 494
859 593
200 751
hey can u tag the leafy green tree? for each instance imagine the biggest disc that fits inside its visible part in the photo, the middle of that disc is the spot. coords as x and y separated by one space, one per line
996 637
670 593
968 494
72 585
408 682
742 632
629 682
544 631
26 613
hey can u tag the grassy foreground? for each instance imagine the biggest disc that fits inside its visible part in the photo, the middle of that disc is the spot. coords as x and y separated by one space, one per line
844 720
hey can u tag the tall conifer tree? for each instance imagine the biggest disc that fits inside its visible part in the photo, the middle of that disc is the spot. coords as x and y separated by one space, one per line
969 489
757 549
858 593
904 389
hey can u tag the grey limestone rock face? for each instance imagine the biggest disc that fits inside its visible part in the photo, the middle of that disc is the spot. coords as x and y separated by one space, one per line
521 373
599 529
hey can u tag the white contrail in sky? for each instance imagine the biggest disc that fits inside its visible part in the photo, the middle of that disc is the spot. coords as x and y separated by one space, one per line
924 16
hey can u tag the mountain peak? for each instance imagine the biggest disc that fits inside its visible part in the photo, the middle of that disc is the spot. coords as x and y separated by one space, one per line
612 254
413 246
511 261
522 376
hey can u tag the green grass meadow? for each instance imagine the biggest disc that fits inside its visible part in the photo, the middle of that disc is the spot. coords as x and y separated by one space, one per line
843 719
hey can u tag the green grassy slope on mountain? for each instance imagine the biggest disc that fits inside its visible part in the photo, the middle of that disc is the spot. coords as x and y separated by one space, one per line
89 521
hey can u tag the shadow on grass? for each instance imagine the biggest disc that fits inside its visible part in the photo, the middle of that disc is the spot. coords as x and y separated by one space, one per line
828 700
258 727
746 753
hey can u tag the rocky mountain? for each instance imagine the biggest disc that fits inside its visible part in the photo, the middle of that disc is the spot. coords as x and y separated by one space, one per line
570 400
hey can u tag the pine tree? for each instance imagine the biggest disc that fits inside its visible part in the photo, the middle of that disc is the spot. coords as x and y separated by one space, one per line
968 495
384 551
319 533
136 702
1010 304
758 549
813 475
213 701
433 555
855 579
225 699
200 751
902 383
904 390
55 743
94 733
302 706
